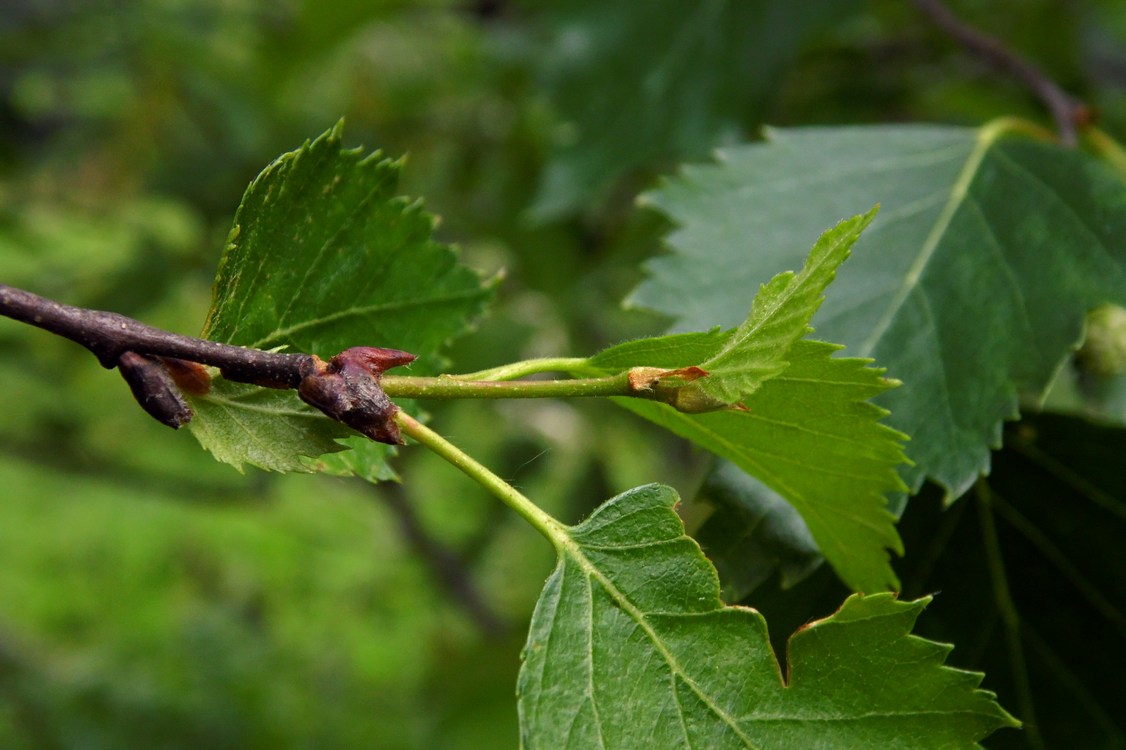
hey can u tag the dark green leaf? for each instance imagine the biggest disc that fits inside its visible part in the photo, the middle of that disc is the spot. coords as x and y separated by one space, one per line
631 647
1029 566
971 285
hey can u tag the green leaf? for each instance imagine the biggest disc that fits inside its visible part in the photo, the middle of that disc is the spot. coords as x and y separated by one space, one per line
631 647
271 429
757 350
324 255
639 83
970 286
361 457
811 435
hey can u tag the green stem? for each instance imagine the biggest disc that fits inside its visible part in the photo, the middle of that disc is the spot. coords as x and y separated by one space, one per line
541 521
447 387
527 367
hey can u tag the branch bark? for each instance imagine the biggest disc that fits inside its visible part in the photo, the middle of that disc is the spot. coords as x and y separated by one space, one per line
153 362
109 335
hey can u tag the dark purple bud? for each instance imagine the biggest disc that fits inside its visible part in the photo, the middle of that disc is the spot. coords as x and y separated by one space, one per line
154 389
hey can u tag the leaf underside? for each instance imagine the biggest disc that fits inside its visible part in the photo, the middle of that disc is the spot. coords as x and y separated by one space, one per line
1047 527
631 647
324 255
970 287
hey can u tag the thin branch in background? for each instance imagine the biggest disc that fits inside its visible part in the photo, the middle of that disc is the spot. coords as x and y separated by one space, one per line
23 685
448 569
1068 112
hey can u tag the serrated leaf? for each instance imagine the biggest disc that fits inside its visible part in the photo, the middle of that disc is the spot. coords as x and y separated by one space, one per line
971 285
324 255
811 435
756 351
631 647
360 457
244 424
641 83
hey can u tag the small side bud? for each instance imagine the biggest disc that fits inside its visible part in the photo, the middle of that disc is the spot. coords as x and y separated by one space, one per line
1104 350
154 389
677 388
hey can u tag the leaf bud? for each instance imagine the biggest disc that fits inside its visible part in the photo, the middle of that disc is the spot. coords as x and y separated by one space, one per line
347 389
154 389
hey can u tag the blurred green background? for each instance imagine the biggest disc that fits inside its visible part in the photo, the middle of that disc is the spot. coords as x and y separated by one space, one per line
150 597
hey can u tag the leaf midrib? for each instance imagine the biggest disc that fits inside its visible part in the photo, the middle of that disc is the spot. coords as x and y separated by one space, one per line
569 547
985 140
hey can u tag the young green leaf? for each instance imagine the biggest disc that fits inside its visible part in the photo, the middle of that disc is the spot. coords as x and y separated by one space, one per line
972 286
756 351
324 255
812 436
631 647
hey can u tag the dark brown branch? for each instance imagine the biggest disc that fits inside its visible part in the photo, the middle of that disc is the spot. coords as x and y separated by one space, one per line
1067 111
110 335
157 364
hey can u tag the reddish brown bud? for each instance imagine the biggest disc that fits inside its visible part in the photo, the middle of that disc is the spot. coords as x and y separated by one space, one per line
677 388
191 377
347 389
373 358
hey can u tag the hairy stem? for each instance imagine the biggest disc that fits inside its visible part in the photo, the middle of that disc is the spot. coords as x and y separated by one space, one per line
448 387
527 367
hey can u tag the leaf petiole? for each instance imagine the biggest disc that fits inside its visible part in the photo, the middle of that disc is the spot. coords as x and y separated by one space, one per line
452 387
509 495
527 367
